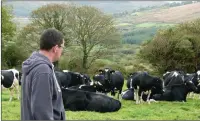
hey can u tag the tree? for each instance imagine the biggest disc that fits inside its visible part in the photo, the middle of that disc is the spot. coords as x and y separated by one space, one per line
174 48
92 30
47 16
9 59
8 27
85 26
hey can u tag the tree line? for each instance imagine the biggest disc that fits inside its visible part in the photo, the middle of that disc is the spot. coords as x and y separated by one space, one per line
90 34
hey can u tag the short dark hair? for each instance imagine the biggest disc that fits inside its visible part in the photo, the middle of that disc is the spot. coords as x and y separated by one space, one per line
49 38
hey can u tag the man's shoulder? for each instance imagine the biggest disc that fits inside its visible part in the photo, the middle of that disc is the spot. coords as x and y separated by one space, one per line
43 68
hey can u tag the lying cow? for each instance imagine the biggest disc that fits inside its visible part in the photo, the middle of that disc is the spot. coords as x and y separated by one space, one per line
177 87
68 78
77 100
89 88
142 82
128 94
109 81
10 79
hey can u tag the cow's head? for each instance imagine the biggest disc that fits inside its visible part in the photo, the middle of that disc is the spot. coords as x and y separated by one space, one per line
98 80
85 79
159 85
165 75
107 73
198 76
76 76
191 86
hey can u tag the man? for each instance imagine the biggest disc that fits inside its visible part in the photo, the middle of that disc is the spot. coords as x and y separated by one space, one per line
41 94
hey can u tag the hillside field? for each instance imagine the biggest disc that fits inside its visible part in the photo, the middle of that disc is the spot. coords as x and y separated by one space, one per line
129 111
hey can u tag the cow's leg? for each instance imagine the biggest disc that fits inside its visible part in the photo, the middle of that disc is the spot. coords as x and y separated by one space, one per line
120 91
149 93
134 94
16 85
11 94
141 100
18 95
137 95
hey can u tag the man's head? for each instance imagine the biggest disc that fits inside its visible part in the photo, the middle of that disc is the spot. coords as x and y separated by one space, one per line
52 41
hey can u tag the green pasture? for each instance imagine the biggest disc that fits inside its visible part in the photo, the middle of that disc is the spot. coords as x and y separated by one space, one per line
189 110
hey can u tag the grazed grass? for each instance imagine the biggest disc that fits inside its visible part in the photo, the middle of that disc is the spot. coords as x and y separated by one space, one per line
189 110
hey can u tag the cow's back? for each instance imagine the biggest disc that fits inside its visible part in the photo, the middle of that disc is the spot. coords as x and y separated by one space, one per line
117 78
62 78
77 100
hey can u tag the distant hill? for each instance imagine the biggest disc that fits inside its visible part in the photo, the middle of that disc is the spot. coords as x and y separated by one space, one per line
169 15
140 26
136 26
23 9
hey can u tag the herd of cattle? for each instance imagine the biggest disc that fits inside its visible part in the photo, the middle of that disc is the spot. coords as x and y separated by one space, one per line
81 93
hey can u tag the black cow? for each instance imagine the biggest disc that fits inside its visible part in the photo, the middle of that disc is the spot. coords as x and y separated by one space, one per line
86 79
109 81
177 86
89 88
128 94
20 76
77 100
10 79
141 82
68 79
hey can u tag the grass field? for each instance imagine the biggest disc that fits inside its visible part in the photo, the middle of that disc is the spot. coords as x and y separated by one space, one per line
189 110
151 24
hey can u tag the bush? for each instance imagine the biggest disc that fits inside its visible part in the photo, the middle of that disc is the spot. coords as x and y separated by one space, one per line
12 55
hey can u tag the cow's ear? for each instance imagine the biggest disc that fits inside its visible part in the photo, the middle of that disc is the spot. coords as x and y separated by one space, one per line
100 70
112 71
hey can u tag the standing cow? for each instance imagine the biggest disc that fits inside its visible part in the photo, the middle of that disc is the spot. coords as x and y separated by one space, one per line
141 82
10 79
109 80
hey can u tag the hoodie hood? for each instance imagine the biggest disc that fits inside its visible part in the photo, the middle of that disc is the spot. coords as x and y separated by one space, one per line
35 59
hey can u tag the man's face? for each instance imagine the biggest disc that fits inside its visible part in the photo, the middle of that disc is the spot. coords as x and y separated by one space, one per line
58 52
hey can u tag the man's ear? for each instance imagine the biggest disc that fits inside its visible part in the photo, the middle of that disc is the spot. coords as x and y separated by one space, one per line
55 49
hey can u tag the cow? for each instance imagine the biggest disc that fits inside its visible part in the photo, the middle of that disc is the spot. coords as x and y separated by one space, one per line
78 100
177 86
68 78
195 78
89 88
86 79
10 79
109 81
128 94
141 82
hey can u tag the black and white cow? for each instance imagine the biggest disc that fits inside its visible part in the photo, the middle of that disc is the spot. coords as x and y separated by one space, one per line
67 78
78 100
142 82
109 80
10 79
177 86
195 78
83 87
128 94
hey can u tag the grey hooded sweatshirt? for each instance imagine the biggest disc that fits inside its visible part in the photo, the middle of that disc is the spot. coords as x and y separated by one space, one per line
41 94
